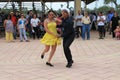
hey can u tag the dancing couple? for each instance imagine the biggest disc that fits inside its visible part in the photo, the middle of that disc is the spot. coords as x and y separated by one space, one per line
51 38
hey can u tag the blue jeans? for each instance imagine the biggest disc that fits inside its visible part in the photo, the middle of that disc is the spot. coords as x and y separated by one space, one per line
86 29
22 33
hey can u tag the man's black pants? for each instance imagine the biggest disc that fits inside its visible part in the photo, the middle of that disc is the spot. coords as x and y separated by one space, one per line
67 41
36 33
101 30
78 32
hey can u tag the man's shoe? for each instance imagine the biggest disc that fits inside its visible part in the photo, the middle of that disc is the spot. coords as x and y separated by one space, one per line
69 65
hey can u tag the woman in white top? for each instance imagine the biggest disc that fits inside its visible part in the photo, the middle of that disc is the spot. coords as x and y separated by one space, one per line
101 23
35 25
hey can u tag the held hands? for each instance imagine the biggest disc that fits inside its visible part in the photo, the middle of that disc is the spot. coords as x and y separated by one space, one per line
58 35
58 20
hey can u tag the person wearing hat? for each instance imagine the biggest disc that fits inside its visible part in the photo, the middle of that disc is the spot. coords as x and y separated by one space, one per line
14 20
68 36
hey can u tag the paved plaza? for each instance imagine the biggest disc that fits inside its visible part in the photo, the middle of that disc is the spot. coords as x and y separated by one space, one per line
94 59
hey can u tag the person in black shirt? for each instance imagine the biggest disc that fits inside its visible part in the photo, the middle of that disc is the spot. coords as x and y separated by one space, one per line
114 23
68 36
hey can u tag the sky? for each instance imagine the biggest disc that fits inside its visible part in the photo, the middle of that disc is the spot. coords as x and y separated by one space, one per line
56 6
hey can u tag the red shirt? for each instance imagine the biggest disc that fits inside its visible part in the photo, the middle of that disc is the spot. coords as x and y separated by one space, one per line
14 20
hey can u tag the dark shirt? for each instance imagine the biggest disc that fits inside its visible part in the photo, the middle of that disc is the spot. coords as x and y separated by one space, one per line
0 18
67 27
115 22
29 19
17 16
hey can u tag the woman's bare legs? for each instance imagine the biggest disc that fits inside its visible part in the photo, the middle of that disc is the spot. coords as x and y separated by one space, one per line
53 49
47 47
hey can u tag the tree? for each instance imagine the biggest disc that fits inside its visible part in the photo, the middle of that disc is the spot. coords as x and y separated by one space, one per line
112 1
119 9
104 8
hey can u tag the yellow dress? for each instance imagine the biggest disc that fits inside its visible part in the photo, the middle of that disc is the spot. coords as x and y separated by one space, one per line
49 39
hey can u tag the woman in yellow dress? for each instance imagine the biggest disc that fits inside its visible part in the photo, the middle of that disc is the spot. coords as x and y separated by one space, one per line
51 38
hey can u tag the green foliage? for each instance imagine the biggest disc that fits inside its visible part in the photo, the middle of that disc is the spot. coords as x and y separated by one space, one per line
104 9
118 9
117 6
109 1
112 1
6 10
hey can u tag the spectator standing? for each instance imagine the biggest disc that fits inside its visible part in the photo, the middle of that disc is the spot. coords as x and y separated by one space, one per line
93 19
35 25
22 22
114 23
17 14
8 24
109 17
86 26
14 20
29 28
101 25
79 24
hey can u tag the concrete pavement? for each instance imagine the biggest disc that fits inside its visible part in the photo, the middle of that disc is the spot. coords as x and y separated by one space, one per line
93 60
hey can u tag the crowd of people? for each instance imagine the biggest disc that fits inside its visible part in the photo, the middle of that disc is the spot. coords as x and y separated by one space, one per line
33 26
101 22
54 27
22 26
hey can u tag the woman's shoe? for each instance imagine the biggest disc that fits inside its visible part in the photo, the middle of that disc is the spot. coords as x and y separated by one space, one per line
42 56
49 64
